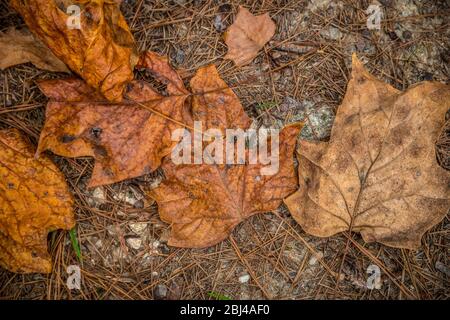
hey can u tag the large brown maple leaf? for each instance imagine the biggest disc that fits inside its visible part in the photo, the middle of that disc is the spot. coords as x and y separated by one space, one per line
204 202
127 139
378 174
34 200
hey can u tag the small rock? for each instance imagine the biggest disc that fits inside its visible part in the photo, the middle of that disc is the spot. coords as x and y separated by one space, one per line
442 268
155 244
275 55
99 244
265 66
332 33
112 229
160 292
130 196
138 227
118 254
225 8
407 35
276 76
219 24
99 194
313 260
134 242
179 56
244 278
164 248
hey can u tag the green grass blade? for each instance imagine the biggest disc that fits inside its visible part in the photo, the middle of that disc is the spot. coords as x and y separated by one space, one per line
75 244
218 296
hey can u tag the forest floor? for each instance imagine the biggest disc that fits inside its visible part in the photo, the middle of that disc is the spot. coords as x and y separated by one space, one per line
301 74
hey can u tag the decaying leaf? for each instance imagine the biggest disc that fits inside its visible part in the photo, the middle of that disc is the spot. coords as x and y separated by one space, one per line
204 202
378 174
247 35
20 46
126 139
101 50
34 200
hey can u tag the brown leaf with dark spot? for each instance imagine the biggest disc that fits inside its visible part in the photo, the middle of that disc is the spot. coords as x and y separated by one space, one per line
34 200
102 51
378 174
247 35
204 202
20 46
127 139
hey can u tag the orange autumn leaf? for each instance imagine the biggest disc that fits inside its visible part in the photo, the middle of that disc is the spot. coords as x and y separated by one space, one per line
378 174
247 35
204 202
20 46
101 51
127 139
34 200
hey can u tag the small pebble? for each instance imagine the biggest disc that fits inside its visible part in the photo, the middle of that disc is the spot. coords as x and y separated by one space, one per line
160 292
315 258
138 227
244 278
134 242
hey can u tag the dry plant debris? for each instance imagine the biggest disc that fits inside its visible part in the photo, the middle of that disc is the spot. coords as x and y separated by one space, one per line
34 200
20 46
378 174
101 51
247 35
127 139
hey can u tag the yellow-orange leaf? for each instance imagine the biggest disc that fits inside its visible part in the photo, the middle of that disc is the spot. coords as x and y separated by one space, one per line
34 200
101 50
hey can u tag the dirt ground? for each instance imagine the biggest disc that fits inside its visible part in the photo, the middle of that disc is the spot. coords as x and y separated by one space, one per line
301 74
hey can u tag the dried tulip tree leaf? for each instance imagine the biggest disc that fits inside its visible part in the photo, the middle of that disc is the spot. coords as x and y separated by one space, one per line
20 46
126 139
247 35
101 50
34 200
204 202
378 174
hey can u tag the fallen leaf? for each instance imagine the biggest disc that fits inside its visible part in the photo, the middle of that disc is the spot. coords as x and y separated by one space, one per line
127 139
101 51
204 202
20 46
378 174
247 35
34 200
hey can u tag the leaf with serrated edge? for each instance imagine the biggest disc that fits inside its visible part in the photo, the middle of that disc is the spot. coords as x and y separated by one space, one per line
127 139
204 202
